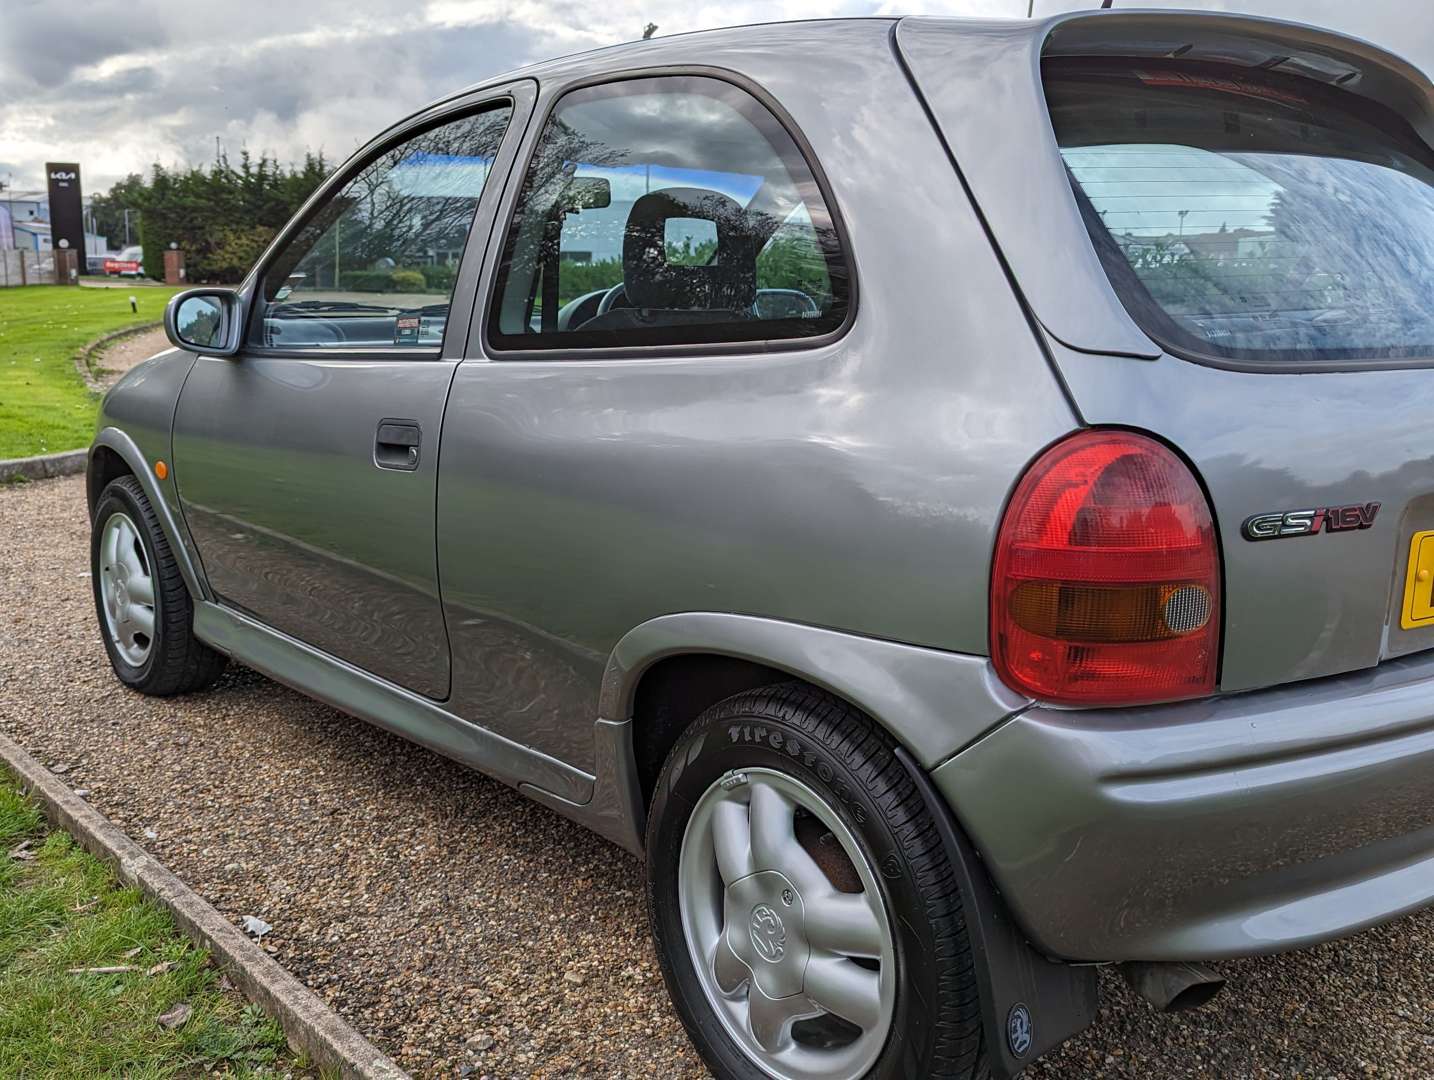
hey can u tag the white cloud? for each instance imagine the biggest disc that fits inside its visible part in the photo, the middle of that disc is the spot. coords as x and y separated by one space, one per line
120 84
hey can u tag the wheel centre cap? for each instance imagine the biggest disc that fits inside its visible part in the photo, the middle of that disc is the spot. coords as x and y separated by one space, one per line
764 929
769 934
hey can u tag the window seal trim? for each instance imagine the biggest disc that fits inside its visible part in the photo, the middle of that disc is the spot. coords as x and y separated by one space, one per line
1343 365
355 352
488 294
434 116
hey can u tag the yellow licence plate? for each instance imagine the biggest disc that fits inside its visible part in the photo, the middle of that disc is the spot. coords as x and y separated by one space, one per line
1419 582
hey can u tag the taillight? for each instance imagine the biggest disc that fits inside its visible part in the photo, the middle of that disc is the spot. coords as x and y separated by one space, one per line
1105 588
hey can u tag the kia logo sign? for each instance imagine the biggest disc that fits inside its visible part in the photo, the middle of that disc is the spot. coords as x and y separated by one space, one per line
66 214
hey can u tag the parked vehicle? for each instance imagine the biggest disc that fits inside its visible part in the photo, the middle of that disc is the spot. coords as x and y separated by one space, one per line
954 496
128 263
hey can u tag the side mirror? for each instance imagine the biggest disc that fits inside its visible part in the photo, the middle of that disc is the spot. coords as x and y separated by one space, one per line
208 321
586 193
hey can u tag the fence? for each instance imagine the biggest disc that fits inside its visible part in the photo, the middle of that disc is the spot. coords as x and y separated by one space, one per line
21 267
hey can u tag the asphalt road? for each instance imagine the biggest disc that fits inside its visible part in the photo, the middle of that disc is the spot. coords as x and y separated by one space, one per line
461 927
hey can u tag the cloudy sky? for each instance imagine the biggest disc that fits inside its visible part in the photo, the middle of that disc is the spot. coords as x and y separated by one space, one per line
119 84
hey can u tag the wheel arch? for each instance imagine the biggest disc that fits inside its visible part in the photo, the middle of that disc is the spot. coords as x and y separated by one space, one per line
114 454
674 691
105 465
666 671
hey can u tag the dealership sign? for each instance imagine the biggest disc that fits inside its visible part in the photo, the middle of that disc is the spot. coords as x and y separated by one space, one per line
67 222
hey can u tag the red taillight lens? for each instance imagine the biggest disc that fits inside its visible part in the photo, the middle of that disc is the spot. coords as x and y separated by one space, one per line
1105 588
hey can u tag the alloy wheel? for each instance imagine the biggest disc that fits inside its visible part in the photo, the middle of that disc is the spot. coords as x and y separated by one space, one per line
127 589
787 928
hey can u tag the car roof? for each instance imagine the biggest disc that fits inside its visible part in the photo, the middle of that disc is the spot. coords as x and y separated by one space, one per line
647 50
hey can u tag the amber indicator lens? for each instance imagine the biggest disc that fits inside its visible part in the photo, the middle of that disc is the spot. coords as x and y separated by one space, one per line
1100 614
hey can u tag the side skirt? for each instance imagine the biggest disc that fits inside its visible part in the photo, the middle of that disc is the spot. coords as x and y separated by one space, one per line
602 803
615 810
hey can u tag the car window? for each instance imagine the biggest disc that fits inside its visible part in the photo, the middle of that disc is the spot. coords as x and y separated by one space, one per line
1249 216
376 265
663 211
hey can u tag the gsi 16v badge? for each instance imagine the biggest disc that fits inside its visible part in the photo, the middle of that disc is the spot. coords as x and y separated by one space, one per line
1283 523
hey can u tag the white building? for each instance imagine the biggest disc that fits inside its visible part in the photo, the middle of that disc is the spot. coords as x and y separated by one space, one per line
25 223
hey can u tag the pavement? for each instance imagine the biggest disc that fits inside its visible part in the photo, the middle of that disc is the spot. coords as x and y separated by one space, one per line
467 931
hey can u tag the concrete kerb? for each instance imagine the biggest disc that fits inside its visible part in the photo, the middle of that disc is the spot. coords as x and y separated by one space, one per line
311 1026
44 466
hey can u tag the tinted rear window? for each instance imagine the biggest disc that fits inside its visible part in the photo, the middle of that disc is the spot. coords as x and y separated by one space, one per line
1252 217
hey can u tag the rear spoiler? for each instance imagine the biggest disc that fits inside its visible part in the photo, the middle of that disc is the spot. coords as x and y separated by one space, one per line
1289 48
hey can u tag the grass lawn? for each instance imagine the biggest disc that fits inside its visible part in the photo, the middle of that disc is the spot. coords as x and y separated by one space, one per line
44 405
62 912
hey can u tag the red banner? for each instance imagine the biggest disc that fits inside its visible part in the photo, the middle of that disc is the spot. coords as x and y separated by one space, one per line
121 266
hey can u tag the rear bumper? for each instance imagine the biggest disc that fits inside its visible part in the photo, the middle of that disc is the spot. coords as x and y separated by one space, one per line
1205 830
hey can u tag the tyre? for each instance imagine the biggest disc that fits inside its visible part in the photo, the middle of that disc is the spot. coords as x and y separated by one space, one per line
145 611
806 915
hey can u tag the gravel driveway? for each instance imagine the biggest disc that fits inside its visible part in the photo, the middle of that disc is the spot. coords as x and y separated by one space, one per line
458 925
128 351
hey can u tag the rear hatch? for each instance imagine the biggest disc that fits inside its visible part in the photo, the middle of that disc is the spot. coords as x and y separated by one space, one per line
1269 229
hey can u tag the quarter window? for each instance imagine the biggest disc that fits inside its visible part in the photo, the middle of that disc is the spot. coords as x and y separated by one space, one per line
667 211
376 265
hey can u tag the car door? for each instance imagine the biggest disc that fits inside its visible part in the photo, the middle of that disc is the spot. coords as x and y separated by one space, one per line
307 464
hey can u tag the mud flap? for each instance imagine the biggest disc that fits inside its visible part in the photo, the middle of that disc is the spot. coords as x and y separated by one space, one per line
1029 1004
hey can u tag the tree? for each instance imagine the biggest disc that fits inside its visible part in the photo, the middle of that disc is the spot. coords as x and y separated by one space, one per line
107 210
222 217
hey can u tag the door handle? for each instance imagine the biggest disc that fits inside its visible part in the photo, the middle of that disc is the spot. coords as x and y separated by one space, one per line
396 446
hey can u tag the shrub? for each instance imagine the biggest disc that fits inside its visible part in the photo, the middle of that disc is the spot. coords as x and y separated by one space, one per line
235 250
366 280
440 278
407 281
575 278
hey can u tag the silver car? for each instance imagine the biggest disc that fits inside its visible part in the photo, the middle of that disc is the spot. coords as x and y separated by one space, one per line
956 498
